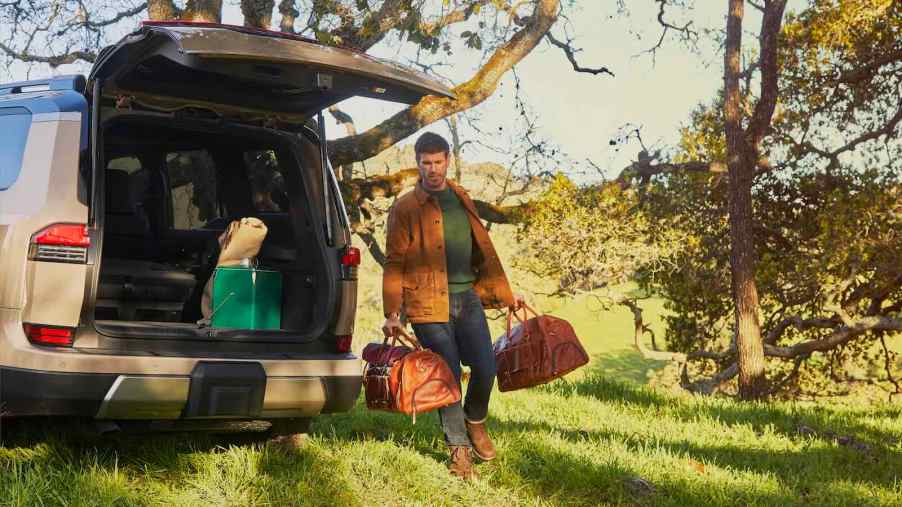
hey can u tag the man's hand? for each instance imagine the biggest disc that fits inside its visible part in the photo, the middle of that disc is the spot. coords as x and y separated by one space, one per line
519 301
392 325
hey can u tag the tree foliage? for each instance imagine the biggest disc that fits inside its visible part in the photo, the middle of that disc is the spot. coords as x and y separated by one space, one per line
593 237
826 218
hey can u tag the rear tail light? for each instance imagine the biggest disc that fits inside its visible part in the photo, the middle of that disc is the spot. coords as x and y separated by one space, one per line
350 260
343 342
351 256
53 336
61 243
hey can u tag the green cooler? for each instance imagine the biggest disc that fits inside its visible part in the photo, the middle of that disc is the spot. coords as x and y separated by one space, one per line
247 298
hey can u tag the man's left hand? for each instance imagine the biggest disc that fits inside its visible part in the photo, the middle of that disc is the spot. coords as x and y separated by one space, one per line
519 301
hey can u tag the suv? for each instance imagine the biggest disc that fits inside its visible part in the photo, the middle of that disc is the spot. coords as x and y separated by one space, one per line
113 191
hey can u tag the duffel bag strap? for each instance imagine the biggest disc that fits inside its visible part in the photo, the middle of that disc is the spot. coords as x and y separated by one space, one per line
410 340
512 313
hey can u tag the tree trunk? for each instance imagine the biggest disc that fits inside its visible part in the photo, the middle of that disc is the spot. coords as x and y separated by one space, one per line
162 10
455 146
289 15
741 164
209 11
257 13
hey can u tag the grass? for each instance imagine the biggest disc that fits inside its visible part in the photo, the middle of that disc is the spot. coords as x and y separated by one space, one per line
587 442
600 437
597 438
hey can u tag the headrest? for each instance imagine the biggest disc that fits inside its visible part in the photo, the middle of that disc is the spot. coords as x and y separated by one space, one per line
118 192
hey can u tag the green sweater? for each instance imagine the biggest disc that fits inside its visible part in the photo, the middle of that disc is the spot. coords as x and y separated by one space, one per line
458 241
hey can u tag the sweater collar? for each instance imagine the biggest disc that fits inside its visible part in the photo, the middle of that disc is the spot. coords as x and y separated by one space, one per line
423 195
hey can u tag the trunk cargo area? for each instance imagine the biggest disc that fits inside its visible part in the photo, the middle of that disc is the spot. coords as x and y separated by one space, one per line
171 189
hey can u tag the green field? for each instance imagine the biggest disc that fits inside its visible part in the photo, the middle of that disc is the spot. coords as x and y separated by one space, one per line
599 438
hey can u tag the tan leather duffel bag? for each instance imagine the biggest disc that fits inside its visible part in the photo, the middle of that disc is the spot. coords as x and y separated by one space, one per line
538 350
407 379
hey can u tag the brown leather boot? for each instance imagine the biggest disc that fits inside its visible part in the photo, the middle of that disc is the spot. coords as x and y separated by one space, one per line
483 447
461 466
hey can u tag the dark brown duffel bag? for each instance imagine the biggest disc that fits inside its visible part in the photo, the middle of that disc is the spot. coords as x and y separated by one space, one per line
538 350
407 379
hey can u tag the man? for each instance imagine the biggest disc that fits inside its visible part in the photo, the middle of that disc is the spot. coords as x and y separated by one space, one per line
441 272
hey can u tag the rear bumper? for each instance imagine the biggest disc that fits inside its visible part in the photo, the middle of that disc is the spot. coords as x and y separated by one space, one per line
25 392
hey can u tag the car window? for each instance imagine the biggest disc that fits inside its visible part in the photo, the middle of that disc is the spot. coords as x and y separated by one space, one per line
130 165
14 124
267 183
192 183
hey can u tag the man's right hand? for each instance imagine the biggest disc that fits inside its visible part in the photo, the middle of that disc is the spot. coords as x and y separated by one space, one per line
392 325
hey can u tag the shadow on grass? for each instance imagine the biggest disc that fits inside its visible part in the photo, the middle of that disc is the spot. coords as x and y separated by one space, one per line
784 418
560 478
552 471
625 364
44 461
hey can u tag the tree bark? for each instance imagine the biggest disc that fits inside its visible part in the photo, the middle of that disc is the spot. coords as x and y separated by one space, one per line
455 146
257 13
162 10
208 11
741 168
289 15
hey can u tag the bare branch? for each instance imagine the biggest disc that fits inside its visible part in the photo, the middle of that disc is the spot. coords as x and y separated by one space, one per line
369 239
644 168
769 36
455 16
686 32
836 338
639 329
53 60
887 365
500 214
94 25
468 94
571 55
708 386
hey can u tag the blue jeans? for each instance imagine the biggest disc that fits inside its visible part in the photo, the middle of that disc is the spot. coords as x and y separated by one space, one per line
463 339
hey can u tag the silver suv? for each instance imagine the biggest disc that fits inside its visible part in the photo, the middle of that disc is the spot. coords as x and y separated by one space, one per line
113 191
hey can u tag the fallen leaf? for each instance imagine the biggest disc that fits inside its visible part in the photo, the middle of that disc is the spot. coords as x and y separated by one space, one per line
698 467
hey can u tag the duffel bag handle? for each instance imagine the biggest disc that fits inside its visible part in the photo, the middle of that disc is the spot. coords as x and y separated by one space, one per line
512 312
403 337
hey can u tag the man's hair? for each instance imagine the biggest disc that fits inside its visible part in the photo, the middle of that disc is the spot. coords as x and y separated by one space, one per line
431 142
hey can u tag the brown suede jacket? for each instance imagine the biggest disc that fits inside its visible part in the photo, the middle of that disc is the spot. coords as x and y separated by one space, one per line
415 274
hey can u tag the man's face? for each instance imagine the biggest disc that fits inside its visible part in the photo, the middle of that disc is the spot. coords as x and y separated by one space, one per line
433 169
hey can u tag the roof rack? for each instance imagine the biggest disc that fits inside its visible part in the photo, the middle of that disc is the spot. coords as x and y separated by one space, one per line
74 82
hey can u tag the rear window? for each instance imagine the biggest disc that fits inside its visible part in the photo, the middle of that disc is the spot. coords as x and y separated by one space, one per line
204 188
192 183
267 183
14 125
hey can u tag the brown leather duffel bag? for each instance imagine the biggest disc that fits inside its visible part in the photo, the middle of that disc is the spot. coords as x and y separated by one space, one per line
536 351
407 379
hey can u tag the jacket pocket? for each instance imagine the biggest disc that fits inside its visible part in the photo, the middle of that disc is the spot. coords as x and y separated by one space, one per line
419 292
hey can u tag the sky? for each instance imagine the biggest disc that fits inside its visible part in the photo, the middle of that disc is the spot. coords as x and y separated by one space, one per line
578 113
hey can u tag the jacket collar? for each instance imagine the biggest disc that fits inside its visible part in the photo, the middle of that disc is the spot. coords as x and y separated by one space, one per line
423 195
